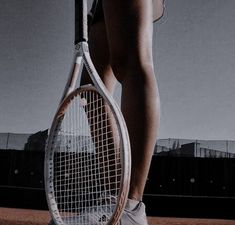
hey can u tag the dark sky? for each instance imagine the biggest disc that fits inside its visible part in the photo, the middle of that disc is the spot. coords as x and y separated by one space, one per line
194 52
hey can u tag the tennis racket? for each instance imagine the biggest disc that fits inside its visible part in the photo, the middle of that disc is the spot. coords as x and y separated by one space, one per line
87 157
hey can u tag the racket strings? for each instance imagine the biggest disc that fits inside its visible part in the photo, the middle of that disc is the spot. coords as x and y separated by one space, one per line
87 161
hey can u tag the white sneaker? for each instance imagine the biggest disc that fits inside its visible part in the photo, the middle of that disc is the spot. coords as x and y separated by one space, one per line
133 214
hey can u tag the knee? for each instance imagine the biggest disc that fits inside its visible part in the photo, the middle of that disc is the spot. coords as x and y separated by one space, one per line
131 67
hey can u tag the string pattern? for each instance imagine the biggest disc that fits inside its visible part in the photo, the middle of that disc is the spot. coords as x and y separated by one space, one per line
87 162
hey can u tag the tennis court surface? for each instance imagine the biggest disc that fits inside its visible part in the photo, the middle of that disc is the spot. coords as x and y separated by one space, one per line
10 216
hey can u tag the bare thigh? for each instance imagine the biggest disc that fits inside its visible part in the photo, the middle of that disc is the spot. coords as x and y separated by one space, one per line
129 32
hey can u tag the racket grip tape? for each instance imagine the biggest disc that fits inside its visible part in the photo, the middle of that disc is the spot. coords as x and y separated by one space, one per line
81 33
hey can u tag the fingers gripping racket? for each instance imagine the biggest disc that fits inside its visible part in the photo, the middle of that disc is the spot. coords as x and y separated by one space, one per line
87 159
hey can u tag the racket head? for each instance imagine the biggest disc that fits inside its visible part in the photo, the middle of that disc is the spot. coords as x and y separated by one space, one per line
87 161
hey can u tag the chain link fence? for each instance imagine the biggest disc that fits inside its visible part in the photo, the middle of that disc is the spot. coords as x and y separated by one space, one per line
13 141
164 147
28 142
195 148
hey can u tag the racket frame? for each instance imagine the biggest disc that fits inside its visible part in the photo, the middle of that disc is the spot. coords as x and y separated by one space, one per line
81 59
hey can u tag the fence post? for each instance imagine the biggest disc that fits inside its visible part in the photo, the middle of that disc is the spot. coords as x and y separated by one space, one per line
8 134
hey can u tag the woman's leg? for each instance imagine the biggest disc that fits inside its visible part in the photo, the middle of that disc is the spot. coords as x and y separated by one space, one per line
99 51
129 33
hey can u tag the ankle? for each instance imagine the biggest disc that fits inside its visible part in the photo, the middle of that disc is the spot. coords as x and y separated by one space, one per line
132 204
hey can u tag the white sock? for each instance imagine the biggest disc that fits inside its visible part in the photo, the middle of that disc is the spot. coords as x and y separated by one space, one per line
131 204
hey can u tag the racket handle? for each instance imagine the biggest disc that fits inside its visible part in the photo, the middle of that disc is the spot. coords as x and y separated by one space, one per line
81 33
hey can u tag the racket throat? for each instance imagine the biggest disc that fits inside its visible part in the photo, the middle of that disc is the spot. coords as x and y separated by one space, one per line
80 48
